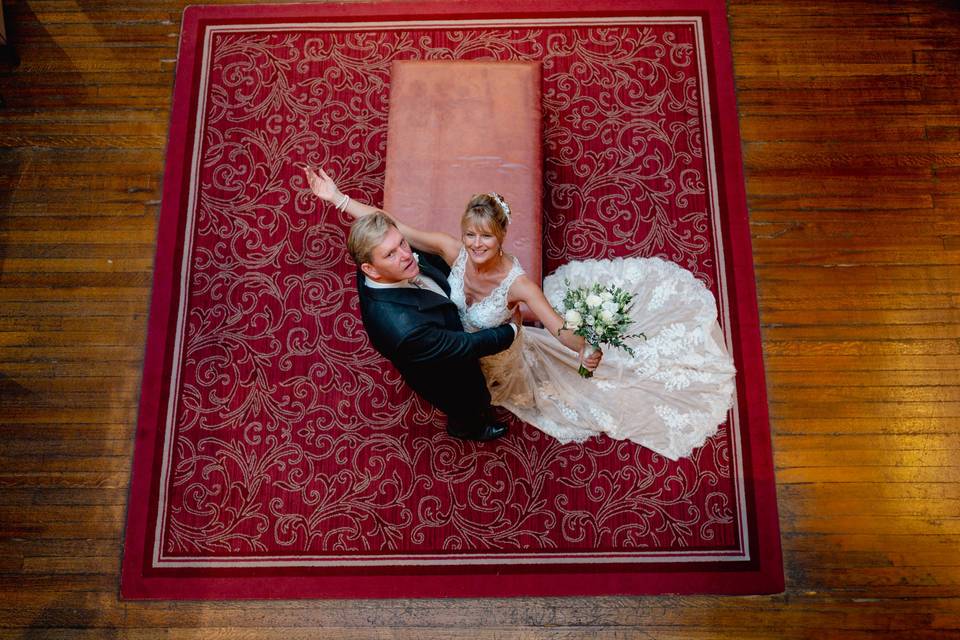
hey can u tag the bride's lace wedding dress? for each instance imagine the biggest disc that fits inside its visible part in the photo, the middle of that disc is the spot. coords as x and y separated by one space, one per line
670 397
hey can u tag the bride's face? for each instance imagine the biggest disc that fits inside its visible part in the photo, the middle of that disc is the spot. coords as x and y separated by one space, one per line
481 243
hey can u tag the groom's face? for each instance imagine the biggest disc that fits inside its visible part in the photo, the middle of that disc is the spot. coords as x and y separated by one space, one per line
392 260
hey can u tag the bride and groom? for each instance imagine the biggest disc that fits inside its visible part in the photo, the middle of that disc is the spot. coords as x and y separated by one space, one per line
448 320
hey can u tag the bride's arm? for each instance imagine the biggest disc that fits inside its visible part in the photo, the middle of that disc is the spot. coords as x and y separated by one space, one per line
323 186
526 291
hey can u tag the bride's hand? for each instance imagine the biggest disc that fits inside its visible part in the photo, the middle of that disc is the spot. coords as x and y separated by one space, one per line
516 316
322 185
592 361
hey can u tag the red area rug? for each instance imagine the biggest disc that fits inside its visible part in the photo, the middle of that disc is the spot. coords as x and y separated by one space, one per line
278 455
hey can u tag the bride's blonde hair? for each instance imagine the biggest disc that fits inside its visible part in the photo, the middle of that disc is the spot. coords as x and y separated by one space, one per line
487 210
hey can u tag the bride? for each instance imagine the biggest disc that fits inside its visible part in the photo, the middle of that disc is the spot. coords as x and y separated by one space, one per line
670 396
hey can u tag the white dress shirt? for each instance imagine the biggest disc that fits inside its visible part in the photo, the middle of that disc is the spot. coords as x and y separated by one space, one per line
425 281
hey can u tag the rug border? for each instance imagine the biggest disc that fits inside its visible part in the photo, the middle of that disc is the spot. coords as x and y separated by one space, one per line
160 561
762 574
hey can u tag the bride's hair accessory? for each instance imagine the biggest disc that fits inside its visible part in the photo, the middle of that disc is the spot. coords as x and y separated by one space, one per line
503 204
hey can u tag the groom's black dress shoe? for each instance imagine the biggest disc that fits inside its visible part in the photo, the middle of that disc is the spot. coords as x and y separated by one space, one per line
490 431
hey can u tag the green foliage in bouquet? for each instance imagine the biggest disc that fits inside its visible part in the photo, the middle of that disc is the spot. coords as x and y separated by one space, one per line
600 314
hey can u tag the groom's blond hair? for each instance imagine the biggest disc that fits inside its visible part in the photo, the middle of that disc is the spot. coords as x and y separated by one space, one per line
366 233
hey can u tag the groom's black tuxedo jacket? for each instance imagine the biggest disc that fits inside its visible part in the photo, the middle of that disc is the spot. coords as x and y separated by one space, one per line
420 332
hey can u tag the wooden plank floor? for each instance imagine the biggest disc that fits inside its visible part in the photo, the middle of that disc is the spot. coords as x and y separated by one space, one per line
851 135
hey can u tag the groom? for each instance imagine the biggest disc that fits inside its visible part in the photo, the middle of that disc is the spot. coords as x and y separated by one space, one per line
410 319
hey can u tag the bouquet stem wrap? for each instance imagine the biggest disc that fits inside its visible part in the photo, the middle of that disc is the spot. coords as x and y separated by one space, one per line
588 350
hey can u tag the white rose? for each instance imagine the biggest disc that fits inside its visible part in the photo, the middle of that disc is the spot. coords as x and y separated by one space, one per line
606 295
593 300
611 307
573 319
606 316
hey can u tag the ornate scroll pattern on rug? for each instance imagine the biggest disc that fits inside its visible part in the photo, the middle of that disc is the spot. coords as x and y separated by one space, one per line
292 436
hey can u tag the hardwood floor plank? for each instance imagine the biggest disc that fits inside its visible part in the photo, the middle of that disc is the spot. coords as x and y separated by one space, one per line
859 378
867 425
65 479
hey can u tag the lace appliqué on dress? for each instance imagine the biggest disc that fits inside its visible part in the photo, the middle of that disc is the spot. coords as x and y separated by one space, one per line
492 310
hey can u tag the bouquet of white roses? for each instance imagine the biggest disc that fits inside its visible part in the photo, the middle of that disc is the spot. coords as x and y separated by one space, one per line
601 315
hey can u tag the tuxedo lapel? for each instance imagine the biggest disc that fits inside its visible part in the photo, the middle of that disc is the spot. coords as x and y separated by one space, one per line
423 299
434 274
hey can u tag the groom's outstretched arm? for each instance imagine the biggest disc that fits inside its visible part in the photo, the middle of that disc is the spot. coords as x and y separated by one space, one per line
432 344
